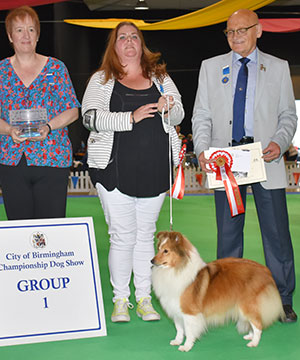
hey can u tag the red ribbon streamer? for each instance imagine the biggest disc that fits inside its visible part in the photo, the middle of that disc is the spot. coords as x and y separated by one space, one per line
199 178
179 183
296 177
222 167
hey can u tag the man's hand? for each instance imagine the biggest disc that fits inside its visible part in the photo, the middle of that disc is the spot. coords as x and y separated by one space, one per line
203 162
271 152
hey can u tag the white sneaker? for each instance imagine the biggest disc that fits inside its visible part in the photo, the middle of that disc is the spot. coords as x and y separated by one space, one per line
120 313
145 310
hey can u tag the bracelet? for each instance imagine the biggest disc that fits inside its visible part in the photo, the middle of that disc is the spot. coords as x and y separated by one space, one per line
49 127
133 121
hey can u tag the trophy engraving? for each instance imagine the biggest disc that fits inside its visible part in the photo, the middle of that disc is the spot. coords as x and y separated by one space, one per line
28 121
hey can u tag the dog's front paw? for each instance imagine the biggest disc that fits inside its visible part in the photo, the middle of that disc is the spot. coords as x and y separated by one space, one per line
185 348
175 342
252 343
248 336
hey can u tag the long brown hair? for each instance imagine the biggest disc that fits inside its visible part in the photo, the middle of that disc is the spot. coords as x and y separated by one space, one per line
149 60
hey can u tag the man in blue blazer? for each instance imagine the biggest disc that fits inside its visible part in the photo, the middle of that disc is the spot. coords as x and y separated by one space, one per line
269 117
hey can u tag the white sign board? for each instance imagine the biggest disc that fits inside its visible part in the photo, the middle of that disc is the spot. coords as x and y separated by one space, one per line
50 281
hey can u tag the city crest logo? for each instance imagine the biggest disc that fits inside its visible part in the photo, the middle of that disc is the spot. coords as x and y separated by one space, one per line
38 240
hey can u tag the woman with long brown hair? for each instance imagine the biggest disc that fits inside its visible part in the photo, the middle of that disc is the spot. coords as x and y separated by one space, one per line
131 105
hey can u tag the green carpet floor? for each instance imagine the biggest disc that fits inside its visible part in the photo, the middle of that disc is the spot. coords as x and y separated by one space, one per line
137 340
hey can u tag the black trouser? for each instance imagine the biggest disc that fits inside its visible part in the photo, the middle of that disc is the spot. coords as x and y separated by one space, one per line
34 192
272 214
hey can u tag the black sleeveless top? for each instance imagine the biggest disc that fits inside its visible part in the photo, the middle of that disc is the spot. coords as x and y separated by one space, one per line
139 164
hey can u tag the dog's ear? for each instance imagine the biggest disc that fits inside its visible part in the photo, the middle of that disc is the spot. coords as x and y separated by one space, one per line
161 234
178 237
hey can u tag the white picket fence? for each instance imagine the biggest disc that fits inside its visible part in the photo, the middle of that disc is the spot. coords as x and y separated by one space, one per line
293 175
80 182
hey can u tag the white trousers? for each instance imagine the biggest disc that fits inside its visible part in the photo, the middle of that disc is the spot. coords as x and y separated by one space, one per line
131 225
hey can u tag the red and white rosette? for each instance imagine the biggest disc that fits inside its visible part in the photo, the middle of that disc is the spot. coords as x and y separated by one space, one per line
222 167
179 183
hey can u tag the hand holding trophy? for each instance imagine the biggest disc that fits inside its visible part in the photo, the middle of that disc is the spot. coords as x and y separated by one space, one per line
28 122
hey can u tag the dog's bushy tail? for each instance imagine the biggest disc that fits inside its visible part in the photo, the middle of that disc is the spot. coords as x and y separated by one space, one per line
271 306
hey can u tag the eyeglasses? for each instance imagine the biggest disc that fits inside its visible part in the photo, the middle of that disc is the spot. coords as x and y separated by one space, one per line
241 31
123 37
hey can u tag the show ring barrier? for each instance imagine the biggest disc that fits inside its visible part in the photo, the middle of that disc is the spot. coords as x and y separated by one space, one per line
80 182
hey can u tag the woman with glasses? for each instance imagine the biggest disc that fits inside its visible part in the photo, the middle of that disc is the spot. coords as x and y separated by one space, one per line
131 105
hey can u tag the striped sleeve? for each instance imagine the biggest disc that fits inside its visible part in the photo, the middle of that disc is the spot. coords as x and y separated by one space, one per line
177 111
97 96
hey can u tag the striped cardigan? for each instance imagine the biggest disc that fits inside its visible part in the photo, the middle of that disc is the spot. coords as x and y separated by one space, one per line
97 96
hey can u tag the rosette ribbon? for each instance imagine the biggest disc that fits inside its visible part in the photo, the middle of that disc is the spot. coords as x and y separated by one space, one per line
179 183
222 167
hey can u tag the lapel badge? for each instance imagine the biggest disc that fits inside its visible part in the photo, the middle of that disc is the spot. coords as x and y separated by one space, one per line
50 78
262 68
225 72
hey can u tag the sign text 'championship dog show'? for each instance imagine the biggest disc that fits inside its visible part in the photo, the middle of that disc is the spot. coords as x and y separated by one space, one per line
50 281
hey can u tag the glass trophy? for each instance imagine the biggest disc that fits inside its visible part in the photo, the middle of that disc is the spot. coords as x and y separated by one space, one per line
28 121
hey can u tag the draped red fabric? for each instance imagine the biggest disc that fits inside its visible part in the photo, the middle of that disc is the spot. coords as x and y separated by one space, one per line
11 4
280 25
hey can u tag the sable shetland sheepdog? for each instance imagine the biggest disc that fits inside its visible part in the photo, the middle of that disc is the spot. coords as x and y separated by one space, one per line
195 294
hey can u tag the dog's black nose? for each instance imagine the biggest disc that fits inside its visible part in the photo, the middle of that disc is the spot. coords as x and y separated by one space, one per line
152 261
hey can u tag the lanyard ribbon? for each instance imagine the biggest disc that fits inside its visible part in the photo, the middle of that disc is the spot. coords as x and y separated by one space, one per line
222 168
178 187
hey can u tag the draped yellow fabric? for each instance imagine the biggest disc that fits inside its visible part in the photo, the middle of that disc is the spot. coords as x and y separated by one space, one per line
210 15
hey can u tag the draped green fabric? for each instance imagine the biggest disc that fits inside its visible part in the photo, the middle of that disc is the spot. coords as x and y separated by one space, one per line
210 15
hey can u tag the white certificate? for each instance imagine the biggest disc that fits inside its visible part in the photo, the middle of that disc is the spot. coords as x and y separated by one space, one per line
50 281
247 167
